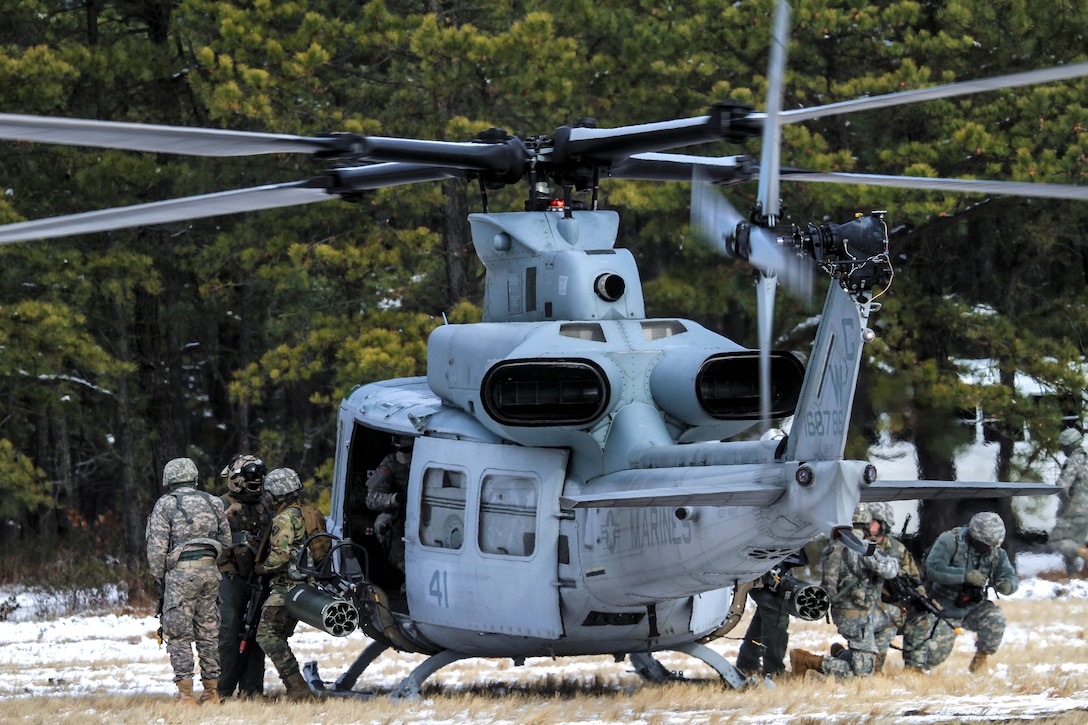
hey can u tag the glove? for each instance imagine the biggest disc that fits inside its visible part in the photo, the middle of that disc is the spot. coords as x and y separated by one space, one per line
1003 586
976 578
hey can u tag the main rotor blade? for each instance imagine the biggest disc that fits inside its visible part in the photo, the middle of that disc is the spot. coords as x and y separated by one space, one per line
167 139
716 170
973 186
162 212
335 182
899 98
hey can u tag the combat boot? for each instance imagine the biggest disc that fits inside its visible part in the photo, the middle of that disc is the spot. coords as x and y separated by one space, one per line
879 666
211 692
297 688
1082 552
185 692
802 661
977 662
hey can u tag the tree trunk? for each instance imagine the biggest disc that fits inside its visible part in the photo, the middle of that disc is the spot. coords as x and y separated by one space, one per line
133 511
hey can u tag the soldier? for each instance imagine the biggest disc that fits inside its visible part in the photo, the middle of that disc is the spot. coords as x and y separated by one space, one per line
763 650
1071 529
187 532
963 563
853 582
387 491
891 614
248 519
281 489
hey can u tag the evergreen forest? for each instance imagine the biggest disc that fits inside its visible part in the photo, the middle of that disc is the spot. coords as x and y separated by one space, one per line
240 334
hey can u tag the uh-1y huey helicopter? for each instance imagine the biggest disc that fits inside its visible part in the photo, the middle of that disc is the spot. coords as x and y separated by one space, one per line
583 479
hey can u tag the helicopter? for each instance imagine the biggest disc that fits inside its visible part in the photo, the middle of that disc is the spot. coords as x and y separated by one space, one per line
584 480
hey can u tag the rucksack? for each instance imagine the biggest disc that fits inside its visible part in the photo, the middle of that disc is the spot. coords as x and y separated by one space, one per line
317 544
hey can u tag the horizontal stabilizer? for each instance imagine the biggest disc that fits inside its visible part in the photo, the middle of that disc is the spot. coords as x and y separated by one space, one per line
908 490
674 487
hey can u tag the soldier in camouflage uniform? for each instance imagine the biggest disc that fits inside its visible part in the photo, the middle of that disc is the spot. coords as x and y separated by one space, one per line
186 533
1071 529
853 582
281 489
249 519
891 615
963 563
386 493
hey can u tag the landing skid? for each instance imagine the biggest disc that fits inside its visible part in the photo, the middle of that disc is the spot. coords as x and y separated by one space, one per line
408 688
651 670
647 667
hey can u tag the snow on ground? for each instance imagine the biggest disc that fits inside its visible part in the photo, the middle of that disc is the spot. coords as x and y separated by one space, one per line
118 654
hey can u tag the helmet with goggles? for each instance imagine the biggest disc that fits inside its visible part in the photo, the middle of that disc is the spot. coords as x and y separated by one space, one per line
245 474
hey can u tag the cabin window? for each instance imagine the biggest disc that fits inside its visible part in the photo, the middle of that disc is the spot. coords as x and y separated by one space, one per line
582 331
659 329
442 510
508 507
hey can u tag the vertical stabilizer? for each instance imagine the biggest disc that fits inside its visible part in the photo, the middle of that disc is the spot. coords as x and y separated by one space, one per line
822 417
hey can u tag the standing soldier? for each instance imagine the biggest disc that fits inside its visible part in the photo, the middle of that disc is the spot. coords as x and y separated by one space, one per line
891 613
853 582
763 650
187 531
963 563
281 489
249 520
1071 529
387 493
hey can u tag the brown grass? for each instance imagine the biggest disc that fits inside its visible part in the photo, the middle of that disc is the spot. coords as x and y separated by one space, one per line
1040 674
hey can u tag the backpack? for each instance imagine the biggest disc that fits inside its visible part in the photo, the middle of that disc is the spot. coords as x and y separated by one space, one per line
316 546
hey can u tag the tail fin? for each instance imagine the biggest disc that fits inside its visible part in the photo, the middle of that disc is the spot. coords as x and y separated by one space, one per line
822 418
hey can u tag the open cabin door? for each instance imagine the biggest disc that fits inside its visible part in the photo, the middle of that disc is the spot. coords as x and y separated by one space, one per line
482 537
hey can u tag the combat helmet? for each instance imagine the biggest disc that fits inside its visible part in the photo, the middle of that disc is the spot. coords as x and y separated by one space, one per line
179 472
987 528
862 515
282 484
1069 439
882 512
245 474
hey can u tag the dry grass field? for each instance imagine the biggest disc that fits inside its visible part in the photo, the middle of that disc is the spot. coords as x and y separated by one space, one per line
1040 675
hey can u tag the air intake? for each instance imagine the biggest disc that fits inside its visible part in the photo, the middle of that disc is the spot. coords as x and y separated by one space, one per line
535 393
727 385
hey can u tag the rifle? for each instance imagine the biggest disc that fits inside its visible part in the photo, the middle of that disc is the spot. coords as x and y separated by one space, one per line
903 590
158 613
258 592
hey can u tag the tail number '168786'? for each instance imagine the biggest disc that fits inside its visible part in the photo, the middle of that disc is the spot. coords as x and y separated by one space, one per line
825 422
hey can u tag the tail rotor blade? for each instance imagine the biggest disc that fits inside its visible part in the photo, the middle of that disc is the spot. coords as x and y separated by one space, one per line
772 137
713 218
765 318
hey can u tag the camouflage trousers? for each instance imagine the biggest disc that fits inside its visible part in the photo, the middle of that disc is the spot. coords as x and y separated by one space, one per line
1069 535
273 631
190 615
930 642
888 621
389 528
860 643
